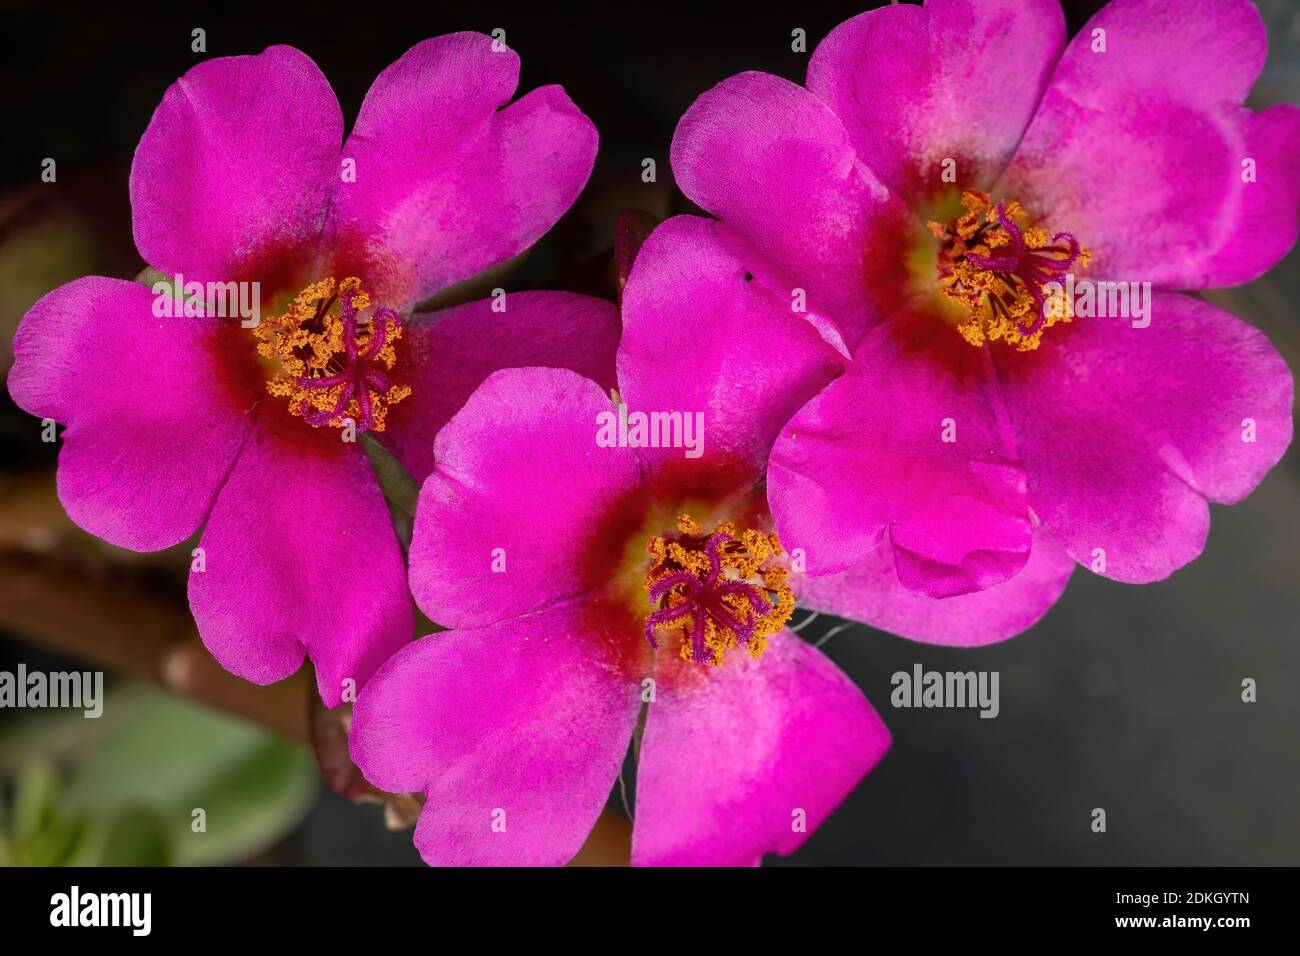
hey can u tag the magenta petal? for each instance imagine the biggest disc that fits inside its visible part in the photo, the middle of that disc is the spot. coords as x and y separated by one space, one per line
446 355
151 430
521 724
870 592
868 453
734 757
1139 151
519 488
957 79
774 163
301 557
1125 432
1265 224
448 182
236 166
699 337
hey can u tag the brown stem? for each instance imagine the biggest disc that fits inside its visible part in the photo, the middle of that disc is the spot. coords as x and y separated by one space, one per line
118 625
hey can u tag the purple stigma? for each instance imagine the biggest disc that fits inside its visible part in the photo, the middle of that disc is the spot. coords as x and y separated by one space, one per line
1033 267
362 377
702 599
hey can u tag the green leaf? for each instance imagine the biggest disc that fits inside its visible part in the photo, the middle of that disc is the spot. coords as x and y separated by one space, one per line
172 757
35 795
395 481
39 834
137 837
131 798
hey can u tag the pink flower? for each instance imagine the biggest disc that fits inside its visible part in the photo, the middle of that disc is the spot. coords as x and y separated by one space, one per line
584 584
701 331
173 423
945 165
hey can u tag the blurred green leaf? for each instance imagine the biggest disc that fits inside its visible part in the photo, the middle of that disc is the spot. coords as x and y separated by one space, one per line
34 796
137 837
135 798
38 833
43 244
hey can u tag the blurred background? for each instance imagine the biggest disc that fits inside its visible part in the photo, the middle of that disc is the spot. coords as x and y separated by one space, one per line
1124 698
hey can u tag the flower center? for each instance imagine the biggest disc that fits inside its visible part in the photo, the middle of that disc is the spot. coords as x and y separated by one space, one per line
720 590
996 268
329 361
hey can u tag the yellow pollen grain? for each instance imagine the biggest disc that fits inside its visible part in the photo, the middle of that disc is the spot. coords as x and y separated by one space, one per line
307 341
749 558
997 306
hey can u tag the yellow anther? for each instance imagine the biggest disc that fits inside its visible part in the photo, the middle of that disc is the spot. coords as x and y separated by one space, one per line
307 348
1004 302
719 590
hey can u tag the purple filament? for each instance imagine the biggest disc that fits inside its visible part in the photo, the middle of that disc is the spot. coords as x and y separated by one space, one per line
359 378
702 599
1031 266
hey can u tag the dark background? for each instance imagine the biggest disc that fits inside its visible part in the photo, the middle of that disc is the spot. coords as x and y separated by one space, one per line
1126 698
